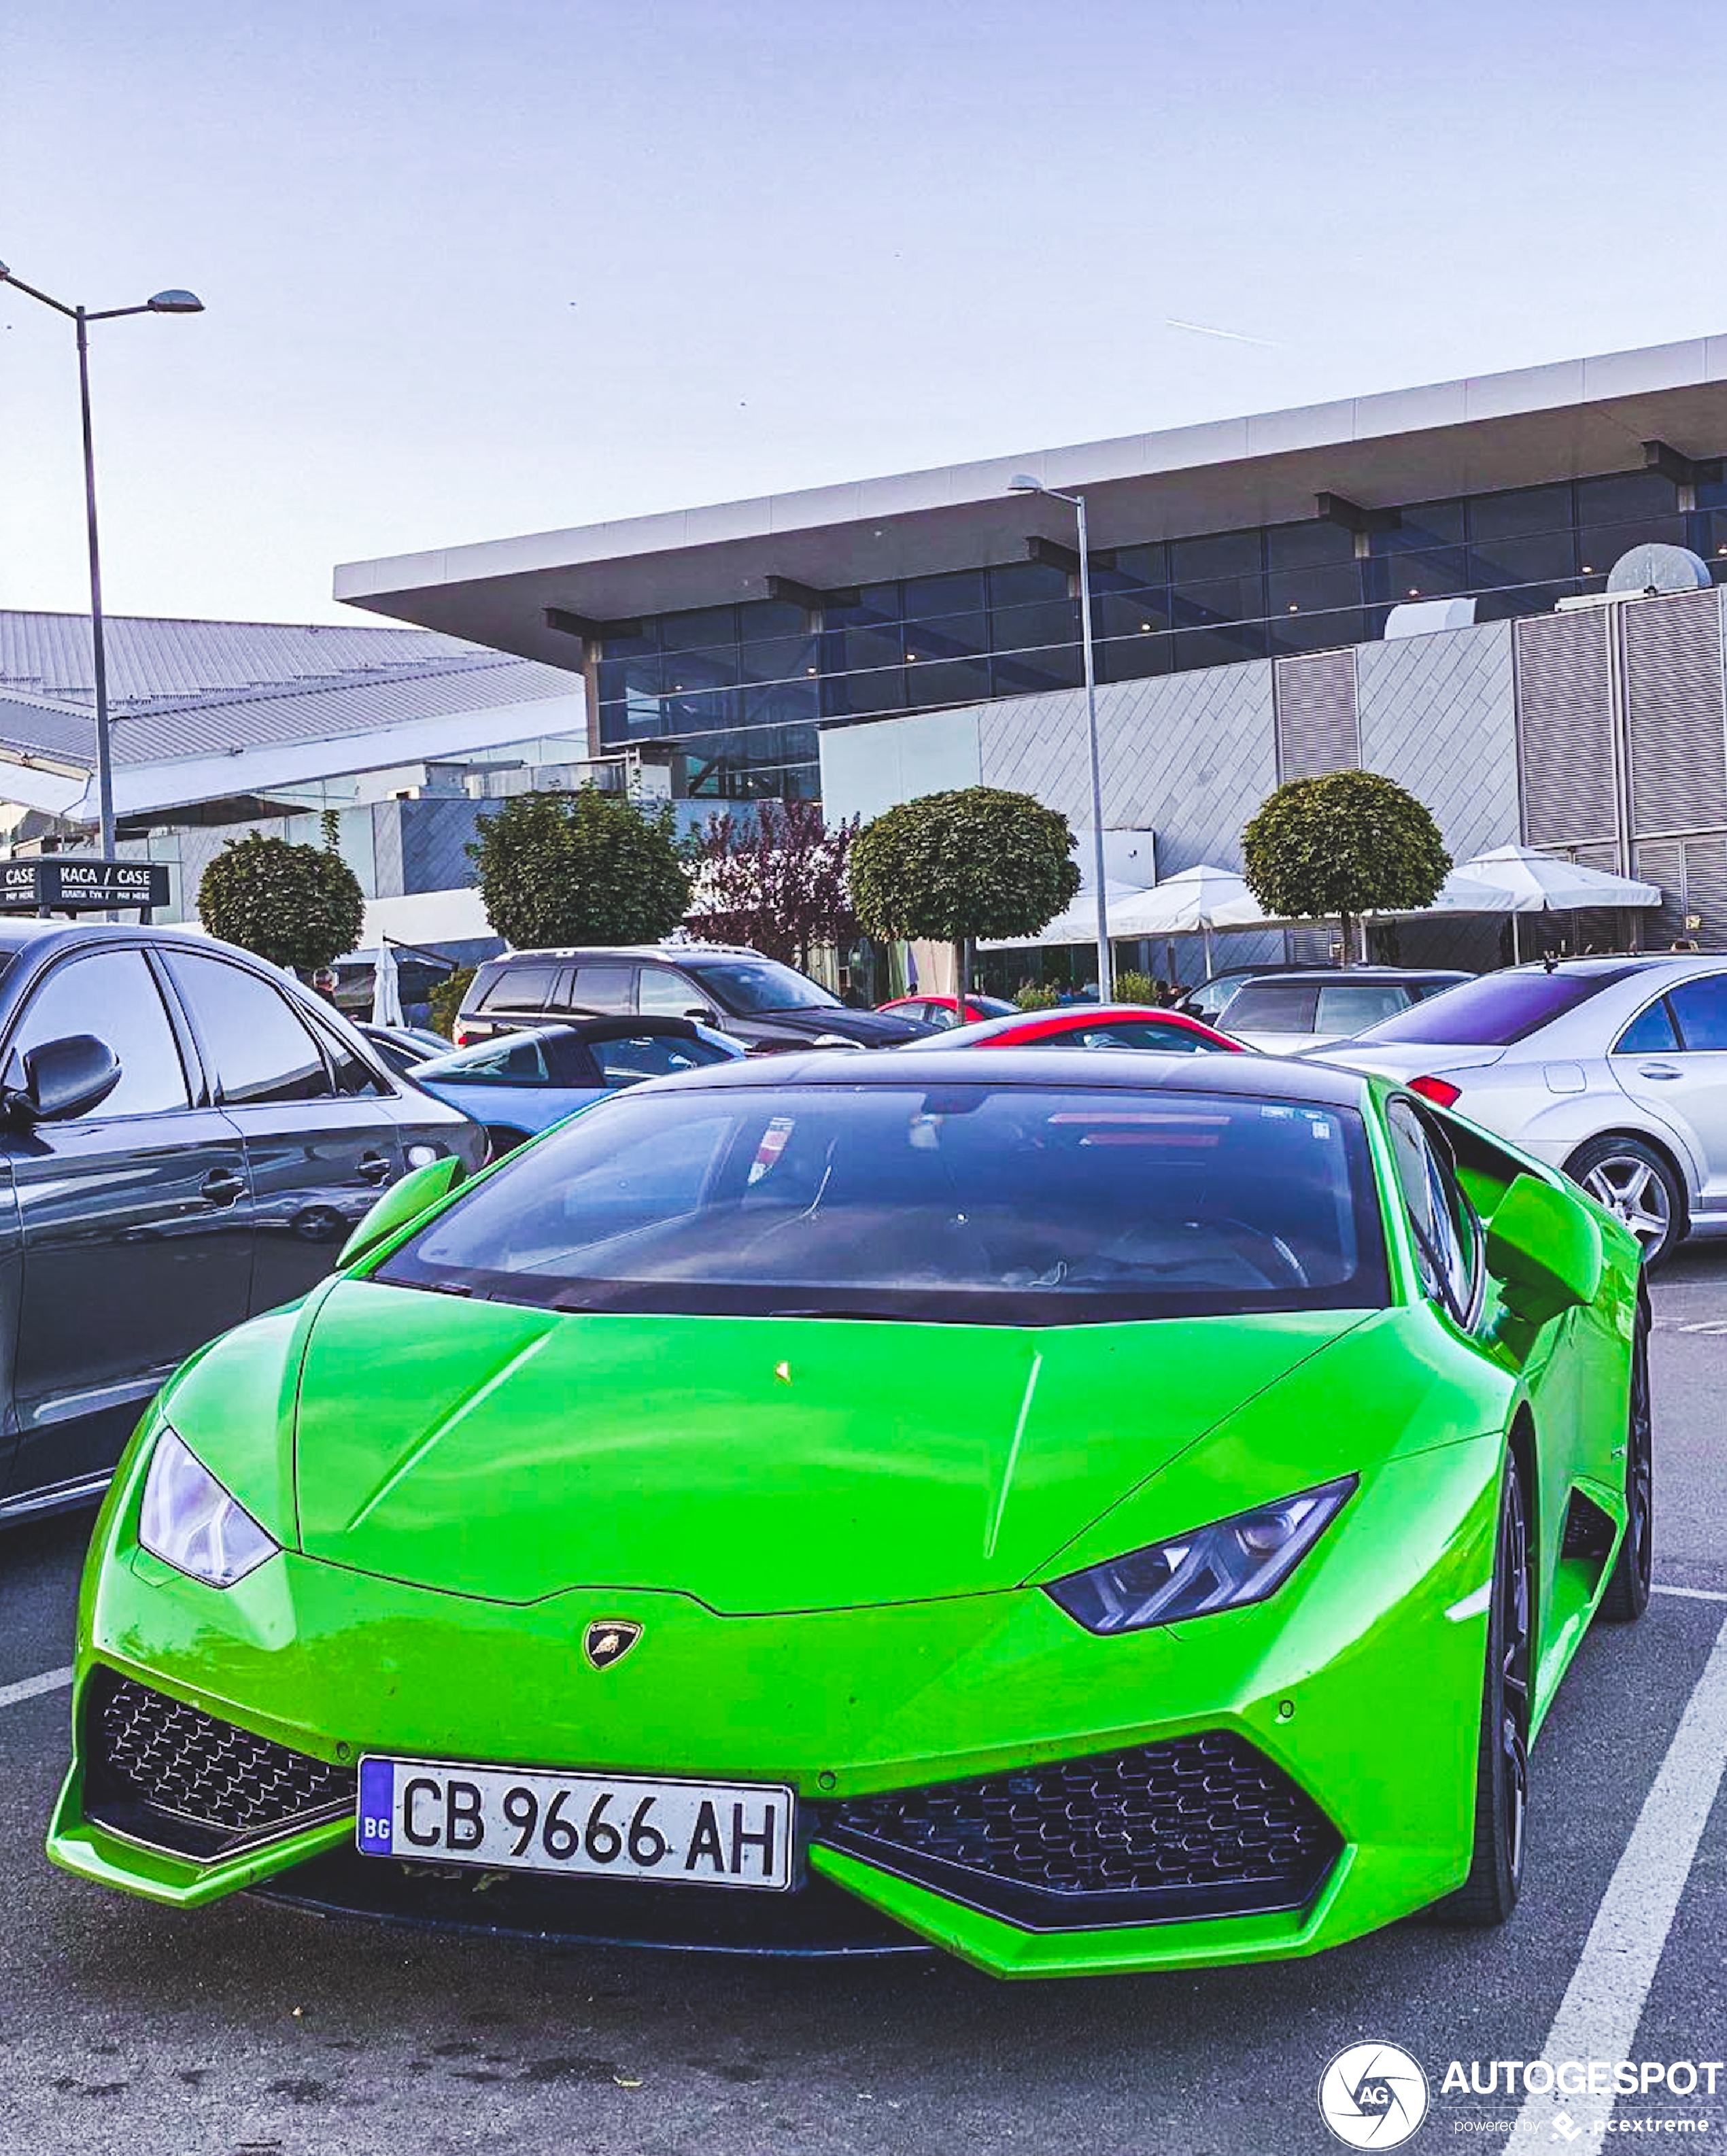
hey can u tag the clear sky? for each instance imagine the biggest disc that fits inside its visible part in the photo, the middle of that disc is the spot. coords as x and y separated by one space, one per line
479 267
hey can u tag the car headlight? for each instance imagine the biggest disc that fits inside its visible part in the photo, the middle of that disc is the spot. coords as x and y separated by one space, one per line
190 1521
1225 1566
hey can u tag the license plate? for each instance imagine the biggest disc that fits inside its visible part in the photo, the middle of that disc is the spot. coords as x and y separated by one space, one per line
592 1826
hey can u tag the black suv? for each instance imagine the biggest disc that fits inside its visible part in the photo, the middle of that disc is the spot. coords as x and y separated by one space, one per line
186 1135
761 1003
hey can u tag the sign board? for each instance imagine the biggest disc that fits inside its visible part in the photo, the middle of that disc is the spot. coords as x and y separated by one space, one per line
65 884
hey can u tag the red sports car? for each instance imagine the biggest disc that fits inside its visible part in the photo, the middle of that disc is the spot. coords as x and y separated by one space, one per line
938 1010
1094 1025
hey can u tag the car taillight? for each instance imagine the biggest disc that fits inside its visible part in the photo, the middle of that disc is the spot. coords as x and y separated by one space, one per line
1440 1091
463 1039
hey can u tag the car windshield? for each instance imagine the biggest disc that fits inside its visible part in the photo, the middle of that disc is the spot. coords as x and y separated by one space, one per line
1494 1011
746 986
968 1203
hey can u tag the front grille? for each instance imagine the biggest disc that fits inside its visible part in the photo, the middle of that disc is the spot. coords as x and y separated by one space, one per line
1197 1826
167 1773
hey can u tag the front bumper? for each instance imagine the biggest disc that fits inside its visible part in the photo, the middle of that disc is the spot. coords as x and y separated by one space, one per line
1353 1688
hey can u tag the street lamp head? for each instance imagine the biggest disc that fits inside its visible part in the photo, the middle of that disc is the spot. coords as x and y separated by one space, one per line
174 301
1023 483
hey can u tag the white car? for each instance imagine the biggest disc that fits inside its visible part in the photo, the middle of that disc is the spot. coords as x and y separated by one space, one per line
1613 1069
1287 1013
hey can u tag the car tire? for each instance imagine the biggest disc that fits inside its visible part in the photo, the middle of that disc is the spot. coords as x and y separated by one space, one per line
1489 1893
1627 1591
1632 1180
501 1138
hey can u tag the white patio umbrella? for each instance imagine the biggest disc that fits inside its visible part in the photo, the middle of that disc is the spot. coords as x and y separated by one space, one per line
1075 923
1197 901
386 988
1461 893
1544 883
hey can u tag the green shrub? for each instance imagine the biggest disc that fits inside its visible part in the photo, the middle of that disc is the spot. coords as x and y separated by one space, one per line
1033 996
1132 987
299 907
446 998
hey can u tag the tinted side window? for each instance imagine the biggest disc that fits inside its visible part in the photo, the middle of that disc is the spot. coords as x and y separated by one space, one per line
262 1050
1274 1007
1700 1011
606 988
353 1077
1435 1209
113 995
524 988
1650 1033
662 993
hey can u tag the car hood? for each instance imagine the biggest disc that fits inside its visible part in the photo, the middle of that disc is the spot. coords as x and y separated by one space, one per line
868 1029
757 1464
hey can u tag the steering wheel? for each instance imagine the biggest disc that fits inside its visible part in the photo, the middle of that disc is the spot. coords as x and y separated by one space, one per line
1293 1270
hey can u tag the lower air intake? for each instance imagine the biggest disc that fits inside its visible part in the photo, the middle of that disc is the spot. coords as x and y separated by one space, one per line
166 1773
1197 1826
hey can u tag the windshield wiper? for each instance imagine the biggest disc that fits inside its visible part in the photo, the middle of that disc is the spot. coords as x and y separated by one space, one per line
863 1317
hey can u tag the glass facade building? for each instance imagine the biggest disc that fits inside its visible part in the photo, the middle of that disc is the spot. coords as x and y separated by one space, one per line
736 692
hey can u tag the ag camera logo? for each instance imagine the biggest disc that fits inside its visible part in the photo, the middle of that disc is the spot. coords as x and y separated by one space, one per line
1373 2095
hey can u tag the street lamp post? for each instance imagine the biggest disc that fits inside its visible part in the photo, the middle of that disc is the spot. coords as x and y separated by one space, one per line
170 302
1023 483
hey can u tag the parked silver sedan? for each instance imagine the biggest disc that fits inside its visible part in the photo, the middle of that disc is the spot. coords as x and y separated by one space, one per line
1613 1069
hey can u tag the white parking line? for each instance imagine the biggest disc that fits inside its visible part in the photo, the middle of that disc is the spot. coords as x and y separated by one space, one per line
1598 2016
32 1687
1692 1593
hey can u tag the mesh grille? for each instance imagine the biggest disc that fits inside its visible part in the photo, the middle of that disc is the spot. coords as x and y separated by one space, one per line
1564 724
167 1773
1674 695
1318 729
1199 1823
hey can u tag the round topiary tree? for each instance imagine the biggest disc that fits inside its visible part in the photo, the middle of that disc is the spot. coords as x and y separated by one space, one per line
585 867
299 907
1338 847
952 867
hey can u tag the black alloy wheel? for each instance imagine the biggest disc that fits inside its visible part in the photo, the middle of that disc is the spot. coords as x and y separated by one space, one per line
1489 1893
1627 1591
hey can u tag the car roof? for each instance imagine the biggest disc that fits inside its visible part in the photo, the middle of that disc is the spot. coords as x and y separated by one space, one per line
666 953
1084 1069
1370 974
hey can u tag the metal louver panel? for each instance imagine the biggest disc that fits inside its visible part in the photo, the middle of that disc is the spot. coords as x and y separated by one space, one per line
1319 724
1565 728
1673 704
1706 890
1662 861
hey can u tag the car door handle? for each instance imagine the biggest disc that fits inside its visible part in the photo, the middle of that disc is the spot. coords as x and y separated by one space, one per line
1659 1070
221 1187
373 1168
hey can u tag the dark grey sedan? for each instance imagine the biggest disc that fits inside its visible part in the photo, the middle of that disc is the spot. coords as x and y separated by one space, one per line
187 1134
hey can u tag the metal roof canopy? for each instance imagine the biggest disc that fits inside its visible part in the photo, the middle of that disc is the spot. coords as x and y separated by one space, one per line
1570 420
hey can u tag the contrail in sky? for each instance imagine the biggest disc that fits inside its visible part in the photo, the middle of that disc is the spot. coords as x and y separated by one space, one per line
1235 337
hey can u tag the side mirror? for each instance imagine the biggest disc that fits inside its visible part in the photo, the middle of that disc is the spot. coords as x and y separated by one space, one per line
702 1015
62 1078
417 1193
1544 1251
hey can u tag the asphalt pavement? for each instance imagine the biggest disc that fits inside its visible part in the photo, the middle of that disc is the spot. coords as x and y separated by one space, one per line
251 2028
